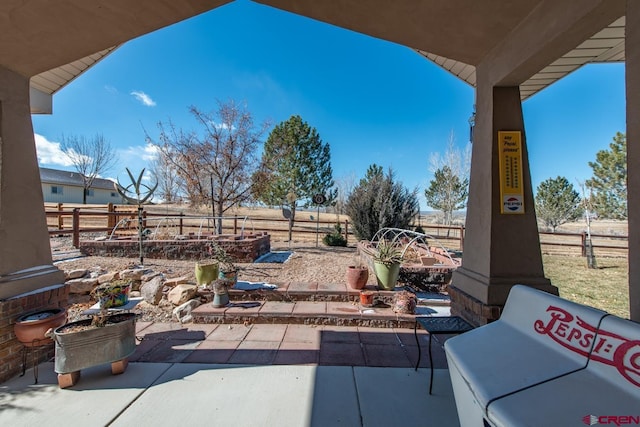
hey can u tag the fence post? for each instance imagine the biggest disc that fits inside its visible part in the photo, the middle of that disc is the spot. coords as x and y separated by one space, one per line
235 224
76 227
60 217
461 238
110 218
144 220
181 215
346 231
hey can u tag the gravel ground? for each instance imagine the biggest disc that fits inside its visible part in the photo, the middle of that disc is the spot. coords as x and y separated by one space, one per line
307 263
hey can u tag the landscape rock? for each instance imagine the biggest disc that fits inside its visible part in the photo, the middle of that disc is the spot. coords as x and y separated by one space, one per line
182 280
134 274
150 275
183 312
75 274
151 291
82 286
107 277
181 294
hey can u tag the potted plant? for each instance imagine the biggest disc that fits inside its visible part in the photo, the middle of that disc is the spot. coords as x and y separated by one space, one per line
226 267
357 275
386 264
103 338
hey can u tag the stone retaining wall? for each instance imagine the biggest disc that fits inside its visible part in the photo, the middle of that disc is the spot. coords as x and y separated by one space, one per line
243 249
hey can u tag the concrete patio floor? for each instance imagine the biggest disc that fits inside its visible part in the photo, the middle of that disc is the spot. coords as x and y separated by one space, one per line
254 375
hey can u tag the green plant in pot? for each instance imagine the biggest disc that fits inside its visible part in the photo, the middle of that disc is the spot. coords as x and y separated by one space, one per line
226 267
386 264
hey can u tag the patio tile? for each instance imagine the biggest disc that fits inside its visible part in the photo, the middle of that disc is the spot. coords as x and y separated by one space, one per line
332 288
303 333
297 353
140 325
143 347
343 309
438 354
309 308
303 286
276 307
266 332
407 337
386 355
229 333
378 336
170 351
246 308
340 334
341 354
158 328
255 353
212 352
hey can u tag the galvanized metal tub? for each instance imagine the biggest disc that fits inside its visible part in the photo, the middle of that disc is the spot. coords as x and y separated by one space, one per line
82 349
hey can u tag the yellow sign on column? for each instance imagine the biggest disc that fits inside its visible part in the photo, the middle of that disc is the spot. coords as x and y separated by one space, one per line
511 185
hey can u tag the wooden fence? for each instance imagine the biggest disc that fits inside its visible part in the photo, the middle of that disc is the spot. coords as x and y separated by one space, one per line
76 219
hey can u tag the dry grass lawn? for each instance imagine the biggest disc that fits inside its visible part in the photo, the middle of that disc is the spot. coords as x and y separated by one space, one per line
605 288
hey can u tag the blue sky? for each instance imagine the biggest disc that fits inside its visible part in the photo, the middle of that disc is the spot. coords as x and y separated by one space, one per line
373 101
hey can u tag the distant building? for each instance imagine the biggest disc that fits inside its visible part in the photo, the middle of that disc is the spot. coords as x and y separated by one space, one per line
66 187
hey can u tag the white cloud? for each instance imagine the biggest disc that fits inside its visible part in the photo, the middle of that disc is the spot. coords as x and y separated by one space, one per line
143 98
147 152
50 153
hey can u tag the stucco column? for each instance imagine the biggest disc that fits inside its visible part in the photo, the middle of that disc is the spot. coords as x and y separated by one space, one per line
25 253
632 53
500 250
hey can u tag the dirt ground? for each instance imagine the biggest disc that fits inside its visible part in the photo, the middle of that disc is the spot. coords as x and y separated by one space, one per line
307 263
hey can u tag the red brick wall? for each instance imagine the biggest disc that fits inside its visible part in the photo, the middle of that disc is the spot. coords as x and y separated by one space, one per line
10 310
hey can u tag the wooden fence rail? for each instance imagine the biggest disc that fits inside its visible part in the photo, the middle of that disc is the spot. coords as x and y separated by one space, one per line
103 218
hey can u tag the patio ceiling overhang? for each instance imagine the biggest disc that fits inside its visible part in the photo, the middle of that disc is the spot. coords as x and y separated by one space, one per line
53 42
456 35
606 45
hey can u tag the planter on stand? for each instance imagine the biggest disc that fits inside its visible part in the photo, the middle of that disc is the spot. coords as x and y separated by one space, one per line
80 345
31 328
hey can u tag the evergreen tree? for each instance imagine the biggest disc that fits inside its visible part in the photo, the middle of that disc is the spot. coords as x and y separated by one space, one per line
557 202
609 182
379 201
295 166
447 192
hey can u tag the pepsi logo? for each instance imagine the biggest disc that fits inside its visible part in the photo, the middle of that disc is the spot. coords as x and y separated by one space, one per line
513 204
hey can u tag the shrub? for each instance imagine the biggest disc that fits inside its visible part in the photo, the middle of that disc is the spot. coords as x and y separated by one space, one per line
379 201
335 238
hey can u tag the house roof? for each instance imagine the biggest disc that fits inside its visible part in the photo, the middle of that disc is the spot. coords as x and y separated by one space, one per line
55 176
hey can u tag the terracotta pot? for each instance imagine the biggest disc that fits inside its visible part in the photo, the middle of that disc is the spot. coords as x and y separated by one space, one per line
31 327
357 276
366 298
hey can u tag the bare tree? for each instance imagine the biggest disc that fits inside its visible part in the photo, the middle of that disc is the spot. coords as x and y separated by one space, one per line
170 183
90 157
344 186
449 189
217 164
